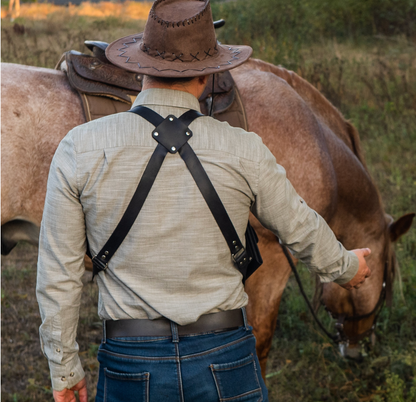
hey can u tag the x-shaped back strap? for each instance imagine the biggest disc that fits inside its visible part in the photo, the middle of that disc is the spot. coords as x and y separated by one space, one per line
172 135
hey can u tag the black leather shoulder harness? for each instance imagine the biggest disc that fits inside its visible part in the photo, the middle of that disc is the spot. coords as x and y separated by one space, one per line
172 135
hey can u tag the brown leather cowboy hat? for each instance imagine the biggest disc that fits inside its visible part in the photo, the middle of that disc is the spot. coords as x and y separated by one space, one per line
178 41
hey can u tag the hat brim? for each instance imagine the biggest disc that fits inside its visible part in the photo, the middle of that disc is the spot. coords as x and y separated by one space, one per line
127 54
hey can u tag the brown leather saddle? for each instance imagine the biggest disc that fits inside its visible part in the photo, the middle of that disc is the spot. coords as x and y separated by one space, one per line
106 89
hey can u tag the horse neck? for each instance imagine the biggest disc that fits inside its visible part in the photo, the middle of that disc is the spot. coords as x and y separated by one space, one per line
325 112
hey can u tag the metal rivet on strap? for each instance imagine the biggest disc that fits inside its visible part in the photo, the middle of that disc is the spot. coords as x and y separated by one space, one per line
234 242
103 257
188 133
106 252
156 134
173 149
236 247
170 118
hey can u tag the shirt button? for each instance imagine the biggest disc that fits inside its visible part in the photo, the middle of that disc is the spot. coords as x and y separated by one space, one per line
63 378
71 374
57 350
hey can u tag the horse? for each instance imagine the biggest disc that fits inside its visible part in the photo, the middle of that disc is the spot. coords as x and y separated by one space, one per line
309 137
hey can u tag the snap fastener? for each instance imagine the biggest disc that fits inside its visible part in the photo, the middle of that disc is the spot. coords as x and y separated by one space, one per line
63 378
173 149
71 374
156 134
57 350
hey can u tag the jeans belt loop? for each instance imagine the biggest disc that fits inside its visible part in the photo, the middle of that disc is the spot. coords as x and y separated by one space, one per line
174 330
104 332
243 311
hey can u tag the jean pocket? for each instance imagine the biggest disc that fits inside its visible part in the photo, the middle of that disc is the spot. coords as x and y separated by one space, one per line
126 387
237 381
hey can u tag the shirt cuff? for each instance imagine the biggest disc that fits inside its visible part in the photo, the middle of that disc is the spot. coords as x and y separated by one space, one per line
66 375
351 270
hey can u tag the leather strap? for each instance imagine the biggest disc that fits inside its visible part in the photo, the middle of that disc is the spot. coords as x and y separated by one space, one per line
222 321
212 198
100 261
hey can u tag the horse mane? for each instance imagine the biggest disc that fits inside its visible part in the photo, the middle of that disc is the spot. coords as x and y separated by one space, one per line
325 111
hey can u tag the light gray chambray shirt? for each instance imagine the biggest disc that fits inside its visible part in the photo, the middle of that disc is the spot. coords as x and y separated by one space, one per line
174 262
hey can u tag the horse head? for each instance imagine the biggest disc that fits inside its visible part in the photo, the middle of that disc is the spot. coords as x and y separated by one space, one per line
356 311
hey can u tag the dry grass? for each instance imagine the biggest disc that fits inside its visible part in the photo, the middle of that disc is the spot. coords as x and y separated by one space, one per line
127 10
42 42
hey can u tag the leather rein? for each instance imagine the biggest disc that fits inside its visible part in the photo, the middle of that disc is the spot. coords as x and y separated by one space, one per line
340 338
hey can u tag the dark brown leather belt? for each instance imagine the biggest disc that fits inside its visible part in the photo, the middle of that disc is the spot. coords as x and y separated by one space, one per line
224 320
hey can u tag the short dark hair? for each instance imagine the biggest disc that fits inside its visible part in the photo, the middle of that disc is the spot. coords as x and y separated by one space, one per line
169 80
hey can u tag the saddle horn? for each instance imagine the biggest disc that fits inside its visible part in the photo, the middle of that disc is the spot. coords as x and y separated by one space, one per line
218 24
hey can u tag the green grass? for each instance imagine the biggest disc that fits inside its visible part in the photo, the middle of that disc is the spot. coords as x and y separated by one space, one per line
371 78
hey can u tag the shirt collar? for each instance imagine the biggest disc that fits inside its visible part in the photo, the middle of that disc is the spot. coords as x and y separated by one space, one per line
167 97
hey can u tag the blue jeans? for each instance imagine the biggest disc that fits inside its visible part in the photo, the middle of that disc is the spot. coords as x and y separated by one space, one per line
216 366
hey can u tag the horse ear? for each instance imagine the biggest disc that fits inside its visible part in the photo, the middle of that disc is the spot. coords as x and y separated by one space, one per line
401 226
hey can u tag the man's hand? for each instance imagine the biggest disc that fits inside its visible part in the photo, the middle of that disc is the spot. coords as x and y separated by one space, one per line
363 270
68 395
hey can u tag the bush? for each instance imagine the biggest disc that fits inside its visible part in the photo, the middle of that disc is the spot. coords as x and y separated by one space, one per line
310 19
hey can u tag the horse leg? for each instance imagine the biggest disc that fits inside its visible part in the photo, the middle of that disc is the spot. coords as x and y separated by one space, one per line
265 288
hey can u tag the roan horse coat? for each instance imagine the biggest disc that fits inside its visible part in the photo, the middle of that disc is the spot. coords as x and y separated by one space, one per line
319 149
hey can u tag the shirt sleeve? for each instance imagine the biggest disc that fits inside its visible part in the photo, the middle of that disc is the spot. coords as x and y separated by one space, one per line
62 247
280 209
